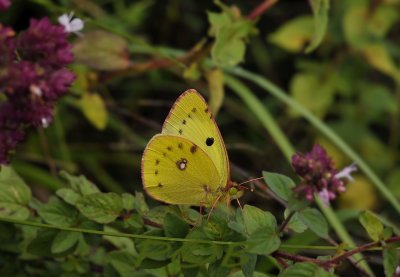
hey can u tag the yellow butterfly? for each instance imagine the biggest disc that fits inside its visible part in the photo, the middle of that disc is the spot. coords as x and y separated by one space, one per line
187 163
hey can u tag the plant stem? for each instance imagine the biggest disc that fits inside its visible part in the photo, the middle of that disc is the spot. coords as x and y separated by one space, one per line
335 260
296 258
260 9
286 221
359 249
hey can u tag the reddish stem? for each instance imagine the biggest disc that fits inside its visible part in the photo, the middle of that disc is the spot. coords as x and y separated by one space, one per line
260 9
361 248
296 258
336 260
286 222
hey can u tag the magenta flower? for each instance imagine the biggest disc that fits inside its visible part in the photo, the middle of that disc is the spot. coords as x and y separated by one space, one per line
45 43
319 175
33 82
4 4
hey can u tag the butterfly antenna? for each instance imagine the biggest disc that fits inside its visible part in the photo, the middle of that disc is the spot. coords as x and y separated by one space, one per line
241 187
251 180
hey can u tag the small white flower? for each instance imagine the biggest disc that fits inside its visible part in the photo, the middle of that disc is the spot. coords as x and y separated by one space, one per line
45 122
324 195
71 25
346 172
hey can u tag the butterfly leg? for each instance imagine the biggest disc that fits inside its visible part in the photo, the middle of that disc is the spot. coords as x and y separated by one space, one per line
241 208
213 206
200 214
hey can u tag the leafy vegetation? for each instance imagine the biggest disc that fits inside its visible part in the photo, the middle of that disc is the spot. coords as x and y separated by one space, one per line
279 76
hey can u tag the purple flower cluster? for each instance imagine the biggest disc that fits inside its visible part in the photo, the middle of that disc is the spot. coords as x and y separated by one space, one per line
4 4
32 78
319 175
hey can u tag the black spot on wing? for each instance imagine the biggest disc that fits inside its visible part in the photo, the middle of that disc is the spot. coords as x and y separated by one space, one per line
193 149
209 141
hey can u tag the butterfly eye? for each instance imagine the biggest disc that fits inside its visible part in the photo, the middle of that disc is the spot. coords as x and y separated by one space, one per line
209 141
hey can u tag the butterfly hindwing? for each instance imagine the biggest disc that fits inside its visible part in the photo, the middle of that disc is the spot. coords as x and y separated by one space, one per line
190 118
175 170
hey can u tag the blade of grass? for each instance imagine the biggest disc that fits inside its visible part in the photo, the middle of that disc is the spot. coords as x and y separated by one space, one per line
262 114
287 148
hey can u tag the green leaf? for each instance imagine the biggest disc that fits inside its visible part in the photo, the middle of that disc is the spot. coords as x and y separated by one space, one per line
390 260
215 79
314 220
133 221
295 204
230 33
154 249
249 267
200 253
41 244
68 195
263 241
372 225
128 201
80 184
379 57
123 262
255 219
294 34
92 239
121 243
101 207
192 72
15 211
58 213
102 51
305 270
320 10
362 25
12 188
94 109
262 229
175 226
280 184
295 223
217 269
312 91
64 240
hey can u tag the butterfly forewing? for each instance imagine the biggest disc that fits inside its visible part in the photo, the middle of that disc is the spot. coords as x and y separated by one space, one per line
190 118
175 170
